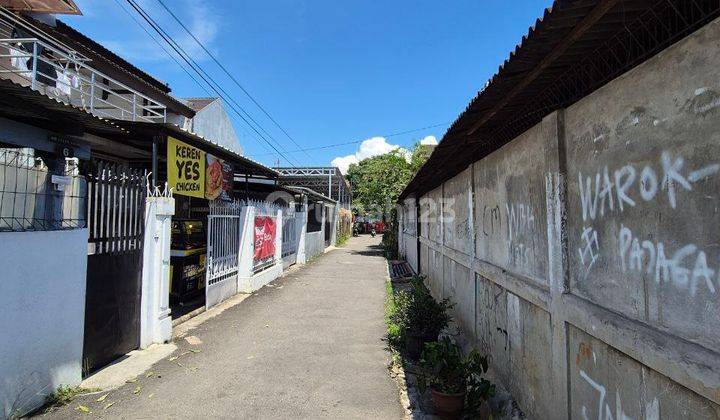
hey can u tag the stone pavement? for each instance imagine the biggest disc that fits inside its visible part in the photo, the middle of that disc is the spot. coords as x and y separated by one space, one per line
310 345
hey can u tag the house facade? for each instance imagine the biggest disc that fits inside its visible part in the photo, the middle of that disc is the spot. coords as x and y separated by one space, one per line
116 216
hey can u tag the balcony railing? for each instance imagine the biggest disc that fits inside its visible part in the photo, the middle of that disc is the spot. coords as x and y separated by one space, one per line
68 77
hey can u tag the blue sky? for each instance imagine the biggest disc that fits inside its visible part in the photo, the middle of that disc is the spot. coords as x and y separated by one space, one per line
330 71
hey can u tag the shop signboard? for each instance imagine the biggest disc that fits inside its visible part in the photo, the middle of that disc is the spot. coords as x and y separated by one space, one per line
219 179
195 173
185 168
265 229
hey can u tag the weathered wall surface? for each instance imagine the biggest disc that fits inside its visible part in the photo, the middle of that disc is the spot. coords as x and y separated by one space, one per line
407 235
593 277
510 203
457 229
643 181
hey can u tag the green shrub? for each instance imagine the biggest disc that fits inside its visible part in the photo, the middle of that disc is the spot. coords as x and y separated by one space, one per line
394 333
418 313
444 368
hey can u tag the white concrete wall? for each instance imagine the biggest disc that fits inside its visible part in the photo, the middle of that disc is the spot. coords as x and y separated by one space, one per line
592 285
314 244
42 296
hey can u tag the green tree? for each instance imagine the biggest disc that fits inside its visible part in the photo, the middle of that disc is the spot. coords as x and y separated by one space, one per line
378 181
420 155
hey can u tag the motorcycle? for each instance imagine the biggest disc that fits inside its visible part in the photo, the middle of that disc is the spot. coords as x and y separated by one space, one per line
356 230
372 232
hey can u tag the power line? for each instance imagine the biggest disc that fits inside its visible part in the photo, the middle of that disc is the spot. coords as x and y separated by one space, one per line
204 76
174 58
330 146
225 70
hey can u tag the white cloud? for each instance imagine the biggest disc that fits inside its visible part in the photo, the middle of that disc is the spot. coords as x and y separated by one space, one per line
374 146
344 162
429 141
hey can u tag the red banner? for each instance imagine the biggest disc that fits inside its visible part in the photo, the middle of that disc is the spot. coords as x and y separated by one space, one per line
264 237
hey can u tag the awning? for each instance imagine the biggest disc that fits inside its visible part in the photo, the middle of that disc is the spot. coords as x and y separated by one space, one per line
20 103
146 132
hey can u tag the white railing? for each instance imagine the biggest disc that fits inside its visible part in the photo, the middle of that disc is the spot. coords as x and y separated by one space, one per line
67 77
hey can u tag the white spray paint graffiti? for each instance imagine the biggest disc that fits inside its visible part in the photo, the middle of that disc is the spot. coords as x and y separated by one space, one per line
520 226
651 258
591 250
516 225
612 192
605 412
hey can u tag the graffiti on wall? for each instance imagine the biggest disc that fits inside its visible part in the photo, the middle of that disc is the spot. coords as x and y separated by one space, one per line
515 223
610 192
604 411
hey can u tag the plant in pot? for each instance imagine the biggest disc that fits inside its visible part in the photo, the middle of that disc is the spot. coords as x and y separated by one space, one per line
452 377
420 317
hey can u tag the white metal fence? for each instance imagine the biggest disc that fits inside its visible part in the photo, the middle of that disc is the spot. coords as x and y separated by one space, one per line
223 250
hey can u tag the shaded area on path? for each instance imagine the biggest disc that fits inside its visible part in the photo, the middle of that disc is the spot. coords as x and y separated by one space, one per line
310 345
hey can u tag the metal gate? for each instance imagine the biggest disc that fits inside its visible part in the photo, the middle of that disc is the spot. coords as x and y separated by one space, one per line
223 249
115 221
291 228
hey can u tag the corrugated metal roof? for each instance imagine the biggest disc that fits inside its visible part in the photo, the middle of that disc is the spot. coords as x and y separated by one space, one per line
574 48
148 130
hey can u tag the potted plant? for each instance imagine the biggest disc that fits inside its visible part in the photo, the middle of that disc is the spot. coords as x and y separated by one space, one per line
420 317
451 377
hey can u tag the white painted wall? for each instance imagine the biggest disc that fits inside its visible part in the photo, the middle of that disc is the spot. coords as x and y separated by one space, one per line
248 281
314 244
42 296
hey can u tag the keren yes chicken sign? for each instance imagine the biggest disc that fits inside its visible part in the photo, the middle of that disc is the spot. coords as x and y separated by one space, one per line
185 168
195 173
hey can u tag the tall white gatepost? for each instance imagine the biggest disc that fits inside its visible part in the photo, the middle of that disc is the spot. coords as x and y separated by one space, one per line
247 249
302 231
155 321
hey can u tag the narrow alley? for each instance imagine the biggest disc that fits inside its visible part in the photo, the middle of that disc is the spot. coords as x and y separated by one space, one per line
309 345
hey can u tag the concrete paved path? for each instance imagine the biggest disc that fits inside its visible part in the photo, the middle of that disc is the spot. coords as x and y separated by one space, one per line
308 346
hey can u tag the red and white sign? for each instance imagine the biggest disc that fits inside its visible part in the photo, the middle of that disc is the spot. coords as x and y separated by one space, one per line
265 229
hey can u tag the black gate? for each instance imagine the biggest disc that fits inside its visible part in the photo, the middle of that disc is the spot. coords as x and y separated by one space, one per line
329 217
116 209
